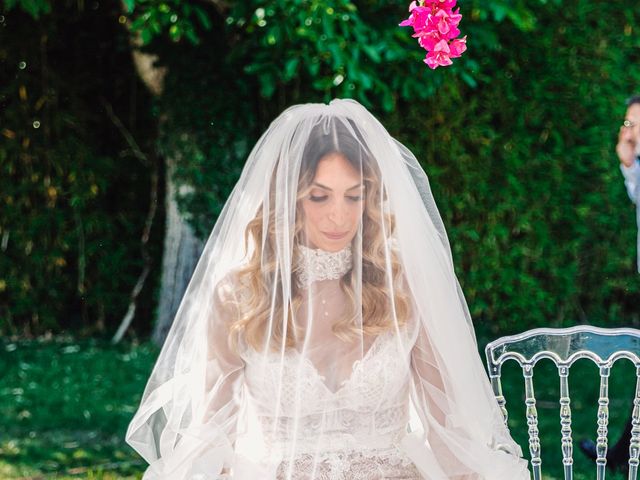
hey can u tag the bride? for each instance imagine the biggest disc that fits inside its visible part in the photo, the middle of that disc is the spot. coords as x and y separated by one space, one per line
323 334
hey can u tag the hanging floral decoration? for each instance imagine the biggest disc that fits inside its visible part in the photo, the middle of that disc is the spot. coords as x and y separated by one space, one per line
435 25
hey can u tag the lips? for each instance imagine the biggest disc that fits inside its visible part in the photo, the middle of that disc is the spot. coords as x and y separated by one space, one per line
335 235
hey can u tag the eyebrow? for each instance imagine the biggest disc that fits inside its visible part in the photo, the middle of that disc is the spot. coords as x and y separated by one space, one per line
331 190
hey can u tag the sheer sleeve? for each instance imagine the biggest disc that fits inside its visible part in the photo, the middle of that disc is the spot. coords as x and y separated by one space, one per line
430 400
457 450
187 424
224 376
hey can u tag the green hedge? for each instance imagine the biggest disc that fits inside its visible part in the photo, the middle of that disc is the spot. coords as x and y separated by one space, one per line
72 196
517 138
543 230
522 165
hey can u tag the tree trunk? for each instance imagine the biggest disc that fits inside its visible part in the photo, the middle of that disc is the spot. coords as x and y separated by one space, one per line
181 247
181 252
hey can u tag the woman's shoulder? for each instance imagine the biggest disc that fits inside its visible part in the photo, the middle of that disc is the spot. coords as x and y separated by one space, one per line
228 289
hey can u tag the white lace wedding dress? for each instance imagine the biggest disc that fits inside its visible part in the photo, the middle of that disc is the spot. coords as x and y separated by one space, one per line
289 363
323 415
353 432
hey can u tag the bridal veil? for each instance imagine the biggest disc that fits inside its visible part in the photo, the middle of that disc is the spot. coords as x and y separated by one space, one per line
287 360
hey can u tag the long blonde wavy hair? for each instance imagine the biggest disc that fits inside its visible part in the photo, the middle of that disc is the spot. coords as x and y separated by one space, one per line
257 276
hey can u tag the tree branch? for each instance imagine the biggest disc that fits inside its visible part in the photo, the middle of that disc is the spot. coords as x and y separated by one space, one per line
144 241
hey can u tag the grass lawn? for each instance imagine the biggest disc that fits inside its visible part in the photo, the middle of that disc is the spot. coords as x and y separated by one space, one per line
65 406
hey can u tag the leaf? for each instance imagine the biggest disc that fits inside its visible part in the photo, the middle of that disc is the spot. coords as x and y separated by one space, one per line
267 85
499 12
327 25
192 36
129 5
365 80
313 67
468 79
371 52
146 34
291 67
336 55
387 100
205 21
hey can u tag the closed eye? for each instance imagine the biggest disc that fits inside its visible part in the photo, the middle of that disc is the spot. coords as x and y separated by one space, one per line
322 198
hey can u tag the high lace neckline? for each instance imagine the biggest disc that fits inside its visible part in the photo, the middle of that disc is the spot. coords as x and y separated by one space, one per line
316 264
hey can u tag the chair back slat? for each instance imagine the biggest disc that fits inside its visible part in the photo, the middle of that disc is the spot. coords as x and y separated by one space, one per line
634 444
603 423
565 422
496 385
532 422
564 346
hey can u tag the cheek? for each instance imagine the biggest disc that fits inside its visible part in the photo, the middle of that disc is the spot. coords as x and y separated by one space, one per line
312 213
356 213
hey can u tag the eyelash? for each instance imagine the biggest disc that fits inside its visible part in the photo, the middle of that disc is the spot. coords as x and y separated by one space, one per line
323 198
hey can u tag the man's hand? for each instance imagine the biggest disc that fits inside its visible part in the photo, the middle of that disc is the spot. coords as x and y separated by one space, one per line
626 147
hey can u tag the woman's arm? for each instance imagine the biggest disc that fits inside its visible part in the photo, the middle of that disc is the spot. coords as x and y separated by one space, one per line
431 402
224 370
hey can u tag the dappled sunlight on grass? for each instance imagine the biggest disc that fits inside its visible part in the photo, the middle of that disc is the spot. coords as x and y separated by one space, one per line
65 406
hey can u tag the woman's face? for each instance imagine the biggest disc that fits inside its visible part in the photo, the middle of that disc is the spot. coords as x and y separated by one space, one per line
333 208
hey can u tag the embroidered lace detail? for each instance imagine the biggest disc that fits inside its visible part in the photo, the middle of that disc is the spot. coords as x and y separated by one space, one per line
342 429
317 264
380 378
374 464
310 432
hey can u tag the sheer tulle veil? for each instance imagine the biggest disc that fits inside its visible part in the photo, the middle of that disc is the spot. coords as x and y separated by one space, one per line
283 353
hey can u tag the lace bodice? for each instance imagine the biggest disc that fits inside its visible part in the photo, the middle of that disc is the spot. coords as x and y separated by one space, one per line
350 432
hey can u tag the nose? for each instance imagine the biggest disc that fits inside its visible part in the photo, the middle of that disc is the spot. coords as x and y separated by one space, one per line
337 214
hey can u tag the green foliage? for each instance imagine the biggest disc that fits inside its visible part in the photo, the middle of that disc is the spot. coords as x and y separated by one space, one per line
208 119
336 48
323 45
35 8
347 49
65 407
69 238
177 18
526 176
517 136
521 163
285 52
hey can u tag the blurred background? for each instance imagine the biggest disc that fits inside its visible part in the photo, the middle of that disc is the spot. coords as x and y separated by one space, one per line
124 126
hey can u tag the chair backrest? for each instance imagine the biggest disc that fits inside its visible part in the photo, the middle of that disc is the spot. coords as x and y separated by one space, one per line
564 346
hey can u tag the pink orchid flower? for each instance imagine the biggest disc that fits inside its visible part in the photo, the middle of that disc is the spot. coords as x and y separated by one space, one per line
458 46
435 5
443 3
446 23
439 56
418 18
428 39
435 25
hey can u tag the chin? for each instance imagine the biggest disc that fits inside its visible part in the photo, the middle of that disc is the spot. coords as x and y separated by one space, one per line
335 246
320 241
